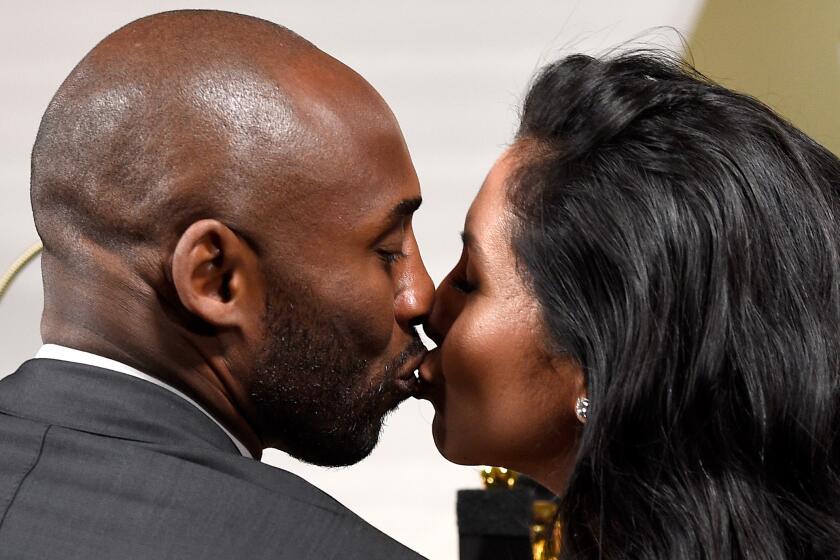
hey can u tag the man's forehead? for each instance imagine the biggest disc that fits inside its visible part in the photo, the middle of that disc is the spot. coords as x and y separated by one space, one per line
348 207
370 180
379 206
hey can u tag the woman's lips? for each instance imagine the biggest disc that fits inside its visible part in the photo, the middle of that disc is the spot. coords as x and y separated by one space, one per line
431 380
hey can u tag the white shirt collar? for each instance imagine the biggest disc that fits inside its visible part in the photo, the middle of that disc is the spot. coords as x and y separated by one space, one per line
58 352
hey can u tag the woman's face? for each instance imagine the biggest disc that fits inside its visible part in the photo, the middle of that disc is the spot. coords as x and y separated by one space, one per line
499 397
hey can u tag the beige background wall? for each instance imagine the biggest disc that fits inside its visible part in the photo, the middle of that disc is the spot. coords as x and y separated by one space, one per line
784 52
453 72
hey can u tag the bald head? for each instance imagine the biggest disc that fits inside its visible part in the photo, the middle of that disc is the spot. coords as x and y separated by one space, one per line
188 115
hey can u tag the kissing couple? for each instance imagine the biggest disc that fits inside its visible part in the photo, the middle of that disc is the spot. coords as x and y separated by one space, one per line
645 317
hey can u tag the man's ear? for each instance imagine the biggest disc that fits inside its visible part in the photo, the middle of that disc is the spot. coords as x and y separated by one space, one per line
217 277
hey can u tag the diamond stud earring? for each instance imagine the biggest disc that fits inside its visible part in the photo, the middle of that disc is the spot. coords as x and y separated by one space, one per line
581 409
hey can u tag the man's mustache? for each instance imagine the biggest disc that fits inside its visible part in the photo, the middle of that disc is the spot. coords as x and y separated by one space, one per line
414 349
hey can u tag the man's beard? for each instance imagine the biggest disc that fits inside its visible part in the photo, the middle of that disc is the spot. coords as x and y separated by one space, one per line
313 395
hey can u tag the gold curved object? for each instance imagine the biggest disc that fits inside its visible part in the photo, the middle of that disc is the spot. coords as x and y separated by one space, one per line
545 531
498 477
17 266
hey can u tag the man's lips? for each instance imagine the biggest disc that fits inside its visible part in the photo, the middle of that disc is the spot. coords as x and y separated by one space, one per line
406 379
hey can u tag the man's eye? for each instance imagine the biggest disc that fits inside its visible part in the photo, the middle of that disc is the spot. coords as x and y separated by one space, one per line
390 257
462 285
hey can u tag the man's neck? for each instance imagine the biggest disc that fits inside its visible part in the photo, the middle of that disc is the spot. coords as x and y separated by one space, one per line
163 351
63 353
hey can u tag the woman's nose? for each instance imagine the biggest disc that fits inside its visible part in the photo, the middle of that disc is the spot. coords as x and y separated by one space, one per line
431 331
438 321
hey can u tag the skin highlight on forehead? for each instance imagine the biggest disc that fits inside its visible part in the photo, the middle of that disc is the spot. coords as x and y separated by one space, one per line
247 106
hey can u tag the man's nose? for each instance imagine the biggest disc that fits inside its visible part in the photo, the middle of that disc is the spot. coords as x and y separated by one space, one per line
414 301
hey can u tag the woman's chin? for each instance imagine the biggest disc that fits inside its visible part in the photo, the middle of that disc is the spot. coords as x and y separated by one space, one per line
456 451
442 442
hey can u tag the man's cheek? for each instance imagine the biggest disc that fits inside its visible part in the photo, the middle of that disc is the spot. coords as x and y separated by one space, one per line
376 333
370 322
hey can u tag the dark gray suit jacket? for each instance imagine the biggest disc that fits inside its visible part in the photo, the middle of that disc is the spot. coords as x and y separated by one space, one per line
97 464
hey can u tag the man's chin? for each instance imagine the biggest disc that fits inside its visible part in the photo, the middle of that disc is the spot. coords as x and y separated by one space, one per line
335 449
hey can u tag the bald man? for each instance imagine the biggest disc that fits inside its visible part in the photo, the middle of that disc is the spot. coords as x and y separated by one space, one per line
229 265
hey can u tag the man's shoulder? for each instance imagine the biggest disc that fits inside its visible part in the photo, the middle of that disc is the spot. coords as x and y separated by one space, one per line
281 502
83 491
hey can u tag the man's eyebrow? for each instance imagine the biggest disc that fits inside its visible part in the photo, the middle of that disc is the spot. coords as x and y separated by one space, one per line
397 214
405 208
401 211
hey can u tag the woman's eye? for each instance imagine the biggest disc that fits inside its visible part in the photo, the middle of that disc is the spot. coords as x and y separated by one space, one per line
462 285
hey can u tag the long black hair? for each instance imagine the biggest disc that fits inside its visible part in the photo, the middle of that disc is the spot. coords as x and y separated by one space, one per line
682 240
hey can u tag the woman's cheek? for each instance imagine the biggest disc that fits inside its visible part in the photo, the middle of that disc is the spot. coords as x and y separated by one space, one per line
465 360
473 418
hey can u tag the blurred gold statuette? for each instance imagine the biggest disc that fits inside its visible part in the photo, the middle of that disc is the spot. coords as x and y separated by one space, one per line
498 478
545 531
17 266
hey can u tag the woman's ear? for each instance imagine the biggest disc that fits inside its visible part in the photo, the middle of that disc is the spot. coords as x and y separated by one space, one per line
217 277
576 397
581 398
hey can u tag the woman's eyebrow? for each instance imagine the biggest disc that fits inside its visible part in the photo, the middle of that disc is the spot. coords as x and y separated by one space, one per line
471 244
